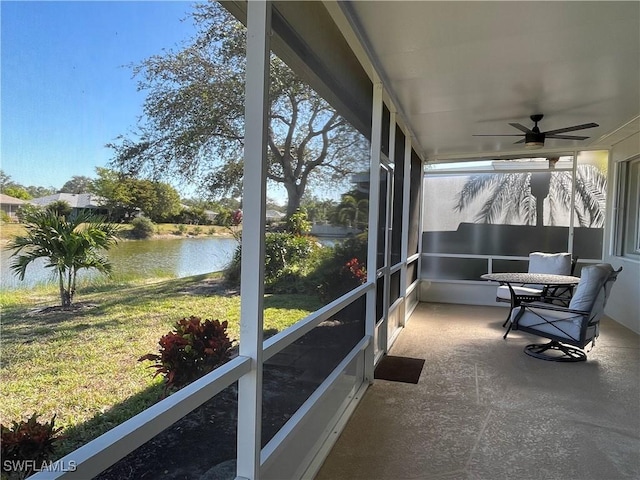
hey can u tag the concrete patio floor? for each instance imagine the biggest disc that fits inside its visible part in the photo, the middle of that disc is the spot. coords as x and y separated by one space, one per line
483 409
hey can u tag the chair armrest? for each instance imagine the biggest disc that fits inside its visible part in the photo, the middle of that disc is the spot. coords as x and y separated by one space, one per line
551 306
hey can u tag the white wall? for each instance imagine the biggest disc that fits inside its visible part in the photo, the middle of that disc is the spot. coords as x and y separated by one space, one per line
624 304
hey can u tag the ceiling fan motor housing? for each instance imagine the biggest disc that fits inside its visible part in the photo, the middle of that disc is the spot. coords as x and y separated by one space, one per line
534 139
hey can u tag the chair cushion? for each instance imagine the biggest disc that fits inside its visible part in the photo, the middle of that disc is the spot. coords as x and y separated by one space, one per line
553 263
503 292
592 278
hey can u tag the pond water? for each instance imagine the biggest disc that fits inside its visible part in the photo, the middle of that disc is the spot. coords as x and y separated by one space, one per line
181 257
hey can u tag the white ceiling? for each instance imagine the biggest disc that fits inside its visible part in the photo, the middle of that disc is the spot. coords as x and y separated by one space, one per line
455 69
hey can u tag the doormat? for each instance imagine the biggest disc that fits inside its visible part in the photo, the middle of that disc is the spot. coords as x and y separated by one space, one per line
399 369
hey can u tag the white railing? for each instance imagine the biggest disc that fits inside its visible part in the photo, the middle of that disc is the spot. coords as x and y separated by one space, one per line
490 259
293 424
106 450
99 454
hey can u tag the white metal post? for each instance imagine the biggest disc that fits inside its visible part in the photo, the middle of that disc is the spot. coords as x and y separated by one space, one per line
420 222
406 197
252 263
372 241
383 329
572 203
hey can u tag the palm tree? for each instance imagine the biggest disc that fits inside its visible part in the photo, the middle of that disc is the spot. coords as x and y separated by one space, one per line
68 246
519 196
351 211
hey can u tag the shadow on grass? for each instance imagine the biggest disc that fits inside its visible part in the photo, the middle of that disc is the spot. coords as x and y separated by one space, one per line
97 307
78 435
26 324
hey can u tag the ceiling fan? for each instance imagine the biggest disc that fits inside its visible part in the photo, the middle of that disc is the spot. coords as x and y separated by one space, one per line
534 138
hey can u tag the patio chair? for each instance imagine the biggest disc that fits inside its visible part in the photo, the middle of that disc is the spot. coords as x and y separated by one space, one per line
539 262
567 327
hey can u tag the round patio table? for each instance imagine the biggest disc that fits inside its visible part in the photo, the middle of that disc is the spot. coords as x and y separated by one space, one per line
550 280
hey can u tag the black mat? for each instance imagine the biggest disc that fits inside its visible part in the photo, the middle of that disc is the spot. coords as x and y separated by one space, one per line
399 369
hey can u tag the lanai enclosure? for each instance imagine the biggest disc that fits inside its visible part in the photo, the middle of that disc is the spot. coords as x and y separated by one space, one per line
418 80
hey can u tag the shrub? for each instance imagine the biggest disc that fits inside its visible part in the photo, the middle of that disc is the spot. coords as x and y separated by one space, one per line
142 228
289 259
298 223
180 229
60 208
27 444
193 349
224 217
26 211
343 269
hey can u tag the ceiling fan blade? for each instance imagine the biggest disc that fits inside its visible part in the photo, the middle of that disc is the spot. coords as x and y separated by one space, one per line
497 135
520 141
567 137
520 127
571 129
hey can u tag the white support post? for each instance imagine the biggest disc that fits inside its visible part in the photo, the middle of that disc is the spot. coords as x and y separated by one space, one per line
372 241
252 264
406 199
420 222
384 325
572 203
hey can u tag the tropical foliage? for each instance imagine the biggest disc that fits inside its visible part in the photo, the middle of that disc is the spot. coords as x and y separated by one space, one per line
510 197
353 211
26 445
60 208
67 245
193 349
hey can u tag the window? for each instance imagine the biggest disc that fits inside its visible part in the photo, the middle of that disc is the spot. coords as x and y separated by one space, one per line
628 219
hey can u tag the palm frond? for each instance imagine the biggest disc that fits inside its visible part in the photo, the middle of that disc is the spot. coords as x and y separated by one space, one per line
472 189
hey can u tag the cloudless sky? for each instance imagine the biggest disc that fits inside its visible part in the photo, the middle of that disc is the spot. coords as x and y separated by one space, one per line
66 89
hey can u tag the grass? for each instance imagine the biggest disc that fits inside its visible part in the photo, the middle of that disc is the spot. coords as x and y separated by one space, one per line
10 230
82 365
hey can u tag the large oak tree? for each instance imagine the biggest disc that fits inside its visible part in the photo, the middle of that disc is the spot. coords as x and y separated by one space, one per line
193 122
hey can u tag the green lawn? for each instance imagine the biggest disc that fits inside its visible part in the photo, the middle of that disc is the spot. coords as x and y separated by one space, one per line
82 365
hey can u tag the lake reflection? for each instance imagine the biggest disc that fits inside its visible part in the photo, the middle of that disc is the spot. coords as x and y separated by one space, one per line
178 257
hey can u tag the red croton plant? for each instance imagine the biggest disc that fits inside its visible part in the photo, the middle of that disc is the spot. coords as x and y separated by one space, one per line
357 270
193 349
27 440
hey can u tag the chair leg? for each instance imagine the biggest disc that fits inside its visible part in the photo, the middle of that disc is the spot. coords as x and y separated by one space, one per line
566 353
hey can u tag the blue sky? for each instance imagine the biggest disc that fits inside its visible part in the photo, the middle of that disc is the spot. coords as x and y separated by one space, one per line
66 89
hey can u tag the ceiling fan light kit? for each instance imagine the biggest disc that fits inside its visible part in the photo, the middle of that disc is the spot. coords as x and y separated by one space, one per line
534 141
534 138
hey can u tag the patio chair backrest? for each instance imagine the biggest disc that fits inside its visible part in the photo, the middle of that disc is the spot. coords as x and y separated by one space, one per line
553 263
593 290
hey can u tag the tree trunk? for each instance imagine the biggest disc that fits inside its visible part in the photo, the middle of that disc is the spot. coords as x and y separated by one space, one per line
63 292
294 195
